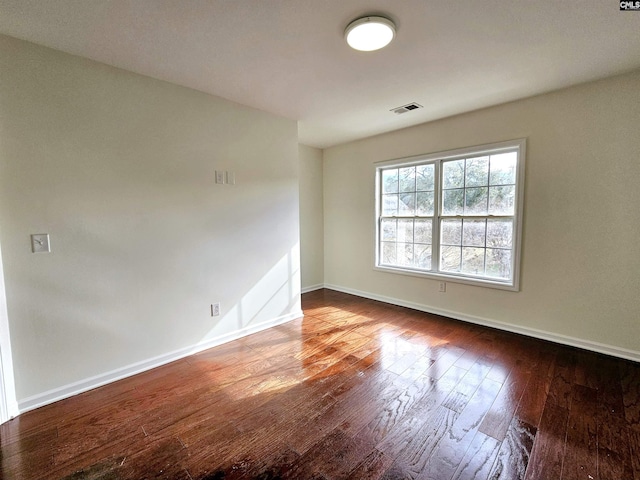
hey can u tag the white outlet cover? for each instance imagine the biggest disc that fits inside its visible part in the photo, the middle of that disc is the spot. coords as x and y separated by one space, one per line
40 243
220 176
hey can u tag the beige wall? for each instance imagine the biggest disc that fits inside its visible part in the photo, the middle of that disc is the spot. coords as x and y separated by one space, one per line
119 170
580 263
311 218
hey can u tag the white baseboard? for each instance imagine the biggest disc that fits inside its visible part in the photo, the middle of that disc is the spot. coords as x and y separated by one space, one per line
312 288
66 391
530 332
75 388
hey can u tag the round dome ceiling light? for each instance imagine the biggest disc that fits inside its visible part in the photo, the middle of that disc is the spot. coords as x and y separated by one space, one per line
370 33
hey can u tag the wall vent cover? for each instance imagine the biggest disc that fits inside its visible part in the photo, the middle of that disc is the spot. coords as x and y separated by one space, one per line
406 108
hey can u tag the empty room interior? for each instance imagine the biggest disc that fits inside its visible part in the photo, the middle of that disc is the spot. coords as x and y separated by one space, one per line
239 241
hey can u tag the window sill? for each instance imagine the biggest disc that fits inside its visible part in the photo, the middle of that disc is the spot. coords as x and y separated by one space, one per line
443 277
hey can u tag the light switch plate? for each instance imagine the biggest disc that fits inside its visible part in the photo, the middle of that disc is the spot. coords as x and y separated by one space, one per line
231 178
40 243
220 176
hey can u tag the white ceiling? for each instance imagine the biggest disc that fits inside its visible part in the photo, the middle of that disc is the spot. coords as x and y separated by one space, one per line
288 57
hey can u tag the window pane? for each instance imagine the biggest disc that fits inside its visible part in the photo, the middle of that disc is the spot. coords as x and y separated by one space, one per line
405 254
498 263
388 253
453 174
503 169
451 232
473 260
388 230
450 259
407 179
475 201
390 181
473 233
407 204
502 200
422 256
405 231
452 201
425 177
499 233
389 205
477 173
423 231
425 203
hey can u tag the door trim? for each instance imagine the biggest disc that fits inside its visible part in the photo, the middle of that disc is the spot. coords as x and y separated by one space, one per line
8 400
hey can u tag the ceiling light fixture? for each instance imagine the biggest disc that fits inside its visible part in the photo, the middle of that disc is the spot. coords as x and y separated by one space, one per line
370 33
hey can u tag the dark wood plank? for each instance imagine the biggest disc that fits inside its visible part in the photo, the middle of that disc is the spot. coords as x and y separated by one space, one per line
515 451
586 365
334 456
466 388
547 455
634 446
392 433
451 449
497 420
581 458
532 402
31 464
479 458
160 459
373 467
375 418
413 443
614 452
349 398
562 380
630 380
102 470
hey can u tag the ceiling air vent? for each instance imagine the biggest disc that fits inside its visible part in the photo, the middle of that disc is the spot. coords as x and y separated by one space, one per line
406 108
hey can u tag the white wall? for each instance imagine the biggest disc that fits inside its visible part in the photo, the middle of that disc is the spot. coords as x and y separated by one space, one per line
119 170
580 261
311 218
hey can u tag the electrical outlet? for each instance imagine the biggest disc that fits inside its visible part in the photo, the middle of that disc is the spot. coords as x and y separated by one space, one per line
215 309
220 176
443 287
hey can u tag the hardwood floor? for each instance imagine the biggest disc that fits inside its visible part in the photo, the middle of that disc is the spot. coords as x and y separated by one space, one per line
356 390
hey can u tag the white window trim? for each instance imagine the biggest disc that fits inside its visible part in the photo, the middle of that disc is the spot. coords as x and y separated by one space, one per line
520 145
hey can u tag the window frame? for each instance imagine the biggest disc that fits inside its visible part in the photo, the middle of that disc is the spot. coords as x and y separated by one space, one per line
438 158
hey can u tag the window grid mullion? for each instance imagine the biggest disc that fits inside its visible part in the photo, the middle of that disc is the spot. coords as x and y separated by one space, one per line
486 229
435 226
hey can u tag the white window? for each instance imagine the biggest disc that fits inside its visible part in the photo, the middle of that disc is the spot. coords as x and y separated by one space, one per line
453 215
